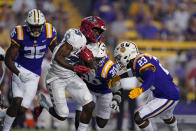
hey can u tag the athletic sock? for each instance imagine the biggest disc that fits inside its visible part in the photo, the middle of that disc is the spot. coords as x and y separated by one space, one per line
3 112
8 122
82 127
173 126
148 128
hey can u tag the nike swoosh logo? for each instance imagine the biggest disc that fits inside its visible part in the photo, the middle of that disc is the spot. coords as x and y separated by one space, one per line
44 40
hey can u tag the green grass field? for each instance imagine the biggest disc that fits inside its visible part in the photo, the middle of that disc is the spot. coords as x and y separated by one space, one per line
36 130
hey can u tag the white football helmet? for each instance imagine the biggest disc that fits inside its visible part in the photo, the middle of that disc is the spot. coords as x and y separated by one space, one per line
75 38
35 21
124 52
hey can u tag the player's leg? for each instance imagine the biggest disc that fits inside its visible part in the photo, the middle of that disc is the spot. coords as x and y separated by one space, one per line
78 90
103 109
169 119
143 124
56 88
11 113
172 123
77 118
15 104
59 108
23 95
152 109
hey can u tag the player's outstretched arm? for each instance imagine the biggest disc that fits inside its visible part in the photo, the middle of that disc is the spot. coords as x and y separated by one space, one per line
10 55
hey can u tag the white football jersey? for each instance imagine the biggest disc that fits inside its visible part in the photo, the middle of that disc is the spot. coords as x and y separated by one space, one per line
78 41
96 48
2 52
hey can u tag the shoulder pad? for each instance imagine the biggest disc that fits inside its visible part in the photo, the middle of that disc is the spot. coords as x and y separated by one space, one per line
143 61
17 33
106 68
139 57
50 31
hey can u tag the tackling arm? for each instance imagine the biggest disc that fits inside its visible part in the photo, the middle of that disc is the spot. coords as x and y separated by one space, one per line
148 78
117 92
117 78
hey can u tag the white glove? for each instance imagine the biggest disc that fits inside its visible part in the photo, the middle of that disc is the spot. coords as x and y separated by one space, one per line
24 77
114 105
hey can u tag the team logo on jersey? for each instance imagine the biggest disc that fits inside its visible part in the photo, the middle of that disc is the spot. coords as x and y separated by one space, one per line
122 49
67 36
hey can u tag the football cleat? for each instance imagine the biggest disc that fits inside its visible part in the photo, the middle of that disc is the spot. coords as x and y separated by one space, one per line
44 102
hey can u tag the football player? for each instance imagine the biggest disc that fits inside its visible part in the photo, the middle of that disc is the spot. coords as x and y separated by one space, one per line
64 75
2 72
154 77
93 28
98 85
2 69
24 58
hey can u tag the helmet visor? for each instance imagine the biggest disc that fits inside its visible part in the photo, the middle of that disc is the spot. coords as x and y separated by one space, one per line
97 33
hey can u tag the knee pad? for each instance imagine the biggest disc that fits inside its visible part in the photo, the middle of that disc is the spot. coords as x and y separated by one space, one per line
62 110
101 122
170 121
139 121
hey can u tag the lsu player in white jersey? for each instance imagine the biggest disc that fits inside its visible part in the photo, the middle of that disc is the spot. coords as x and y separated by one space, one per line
24 57
104 97
63 75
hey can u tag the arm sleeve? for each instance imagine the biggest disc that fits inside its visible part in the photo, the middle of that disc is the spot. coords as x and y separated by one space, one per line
148 77
112 72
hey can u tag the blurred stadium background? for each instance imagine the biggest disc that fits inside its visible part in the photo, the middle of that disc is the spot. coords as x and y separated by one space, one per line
164 28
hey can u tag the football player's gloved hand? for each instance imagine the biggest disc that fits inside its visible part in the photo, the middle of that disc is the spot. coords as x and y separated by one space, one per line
114 105
81 69
86 54
113 80
24 77
135 92
92 74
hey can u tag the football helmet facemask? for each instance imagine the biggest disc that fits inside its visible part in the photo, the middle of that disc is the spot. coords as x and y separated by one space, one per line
92 27
100 54
35 21
124 53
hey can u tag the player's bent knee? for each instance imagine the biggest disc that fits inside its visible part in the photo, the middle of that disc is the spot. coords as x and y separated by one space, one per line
14 107
101 122
22 110
62 112
139 121
170 121
89 107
